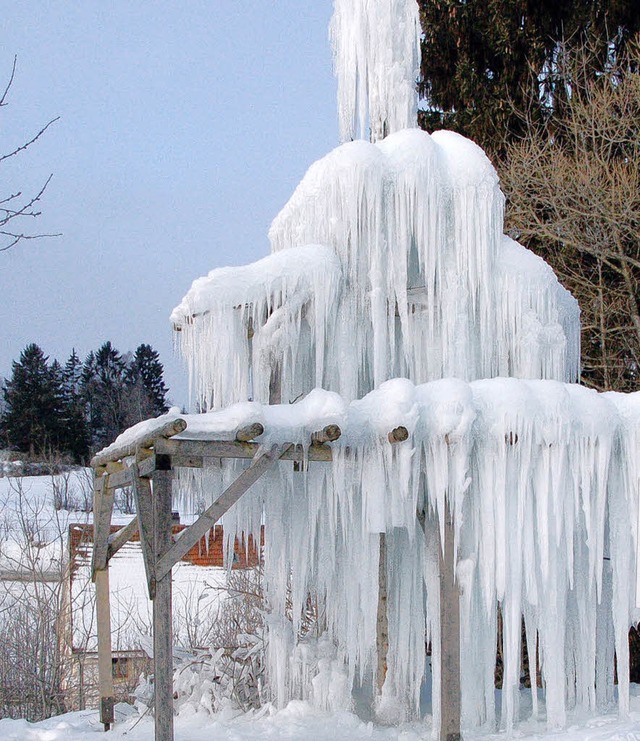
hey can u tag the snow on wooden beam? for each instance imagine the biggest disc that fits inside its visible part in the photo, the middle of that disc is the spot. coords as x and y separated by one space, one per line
134 443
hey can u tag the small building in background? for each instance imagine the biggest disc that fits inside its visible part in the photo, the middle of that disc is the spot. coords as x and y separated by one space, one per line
199 589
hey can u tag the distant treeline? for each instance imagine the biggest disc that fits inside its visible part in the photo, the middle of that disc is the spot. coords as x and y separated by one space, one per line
73 410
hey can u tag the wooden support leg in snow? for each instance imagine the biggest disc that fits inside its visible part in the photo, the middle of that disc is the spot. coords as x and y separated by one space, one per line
102 506
105 672
162 629
449 637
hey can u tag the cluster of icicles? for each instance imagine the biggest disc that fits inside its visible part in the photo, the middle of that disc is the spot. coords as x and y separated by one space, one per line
389 261
376 52
543 481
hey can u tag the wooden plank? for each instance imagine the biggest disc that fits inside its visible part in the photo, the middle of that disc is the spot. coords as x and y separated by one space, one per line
189 461
232 449
124 535
162 610
102 510
145 515
122 478
190 537
103 620
39 577
275 384
449 636
398 435
116 452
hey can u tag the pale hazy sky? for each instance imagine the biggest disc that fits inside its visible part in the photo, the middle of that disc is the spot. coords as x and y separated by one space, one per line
185 126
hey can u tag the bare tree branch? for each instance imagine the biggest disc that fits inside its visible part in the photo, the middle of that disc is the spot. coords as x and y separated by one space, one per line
16 205
573 190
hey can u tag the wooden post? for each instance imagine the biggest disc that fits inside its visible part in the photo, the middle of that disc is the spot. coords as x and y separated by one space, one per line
102 506
162 632
275 385
105 673
449 636
382 623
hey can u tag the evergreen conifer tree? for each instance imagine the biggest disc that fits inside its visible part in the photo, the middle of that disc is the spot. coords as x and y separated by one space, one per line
484 65
32 397
75 438
146 372
103 390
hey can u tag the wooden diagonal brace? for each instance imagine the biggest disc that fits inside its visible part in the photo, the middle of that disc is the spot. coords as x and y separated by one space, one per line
190 537
102 510
124 535
144 508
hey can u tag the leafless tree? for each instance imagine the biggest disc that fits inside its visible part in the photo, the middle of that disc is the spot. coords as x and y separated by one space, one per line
16 206
573 190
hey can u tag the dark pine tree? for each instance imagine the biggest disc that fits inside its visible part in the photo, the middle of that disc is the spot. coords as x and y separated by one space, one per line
489 69
75 436
145 378
103 394
32 404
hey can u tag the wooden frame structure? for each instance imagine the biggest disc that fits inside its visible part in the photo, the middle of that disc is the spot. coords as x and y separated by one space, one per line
147 465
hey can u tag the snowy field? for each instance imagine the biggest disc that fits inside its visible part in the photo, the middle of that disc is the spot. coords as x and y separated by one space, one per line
297 722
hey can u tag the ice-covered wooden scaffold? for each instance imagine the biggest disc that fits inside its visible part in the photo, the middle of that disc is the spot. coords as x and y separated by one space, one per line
468 481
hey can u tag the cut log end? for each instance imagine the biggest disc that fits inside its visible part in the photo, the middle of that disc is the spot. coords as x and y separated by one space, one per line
245 434
327 435
398 435
174 428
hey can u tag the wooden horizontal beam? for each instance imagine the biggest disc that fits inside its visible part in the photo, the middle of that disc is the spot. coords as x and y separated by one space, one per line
123 478
198 449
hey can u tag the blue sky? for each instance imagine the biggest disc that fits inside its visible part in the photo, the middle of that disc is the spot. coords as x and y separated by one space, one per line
184 128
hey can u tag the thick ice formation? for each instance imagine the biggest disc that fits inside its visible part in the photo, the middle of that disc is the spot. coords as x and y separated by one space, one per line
237 322
543 481
389 262
415 279
376 52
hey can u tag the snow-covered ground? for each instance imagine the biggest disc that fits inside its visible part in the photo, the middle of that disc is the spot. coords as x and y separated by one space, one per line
297 722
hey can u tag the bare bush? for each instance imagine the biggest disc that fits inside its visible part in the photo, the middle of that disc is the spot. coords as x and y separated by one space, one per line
125 501
31 603
72 490
222 661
